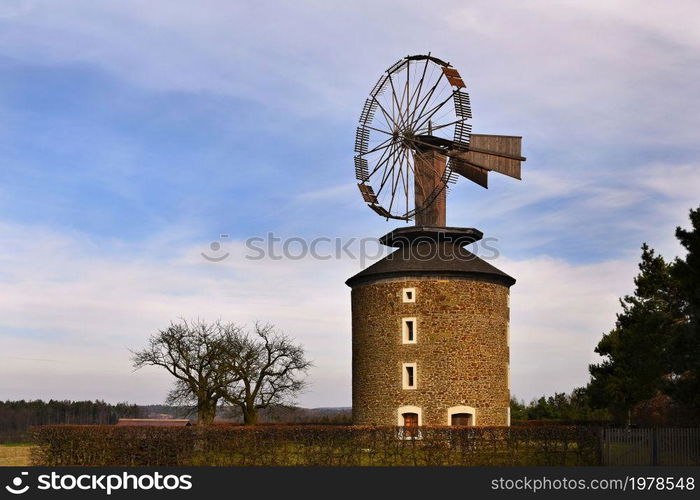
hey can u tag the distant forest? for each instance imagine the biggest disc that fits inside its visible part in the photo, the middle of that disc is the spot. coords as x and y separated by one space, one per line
16 417
279 414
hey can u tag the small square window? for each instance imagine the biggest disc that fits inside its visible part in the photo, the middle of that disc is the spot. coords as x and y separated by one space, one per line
409 294
409 330
409 375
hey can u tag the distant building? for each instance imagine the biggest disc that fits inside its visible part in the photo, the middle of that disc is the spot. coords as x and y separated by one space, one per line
153 422
160 415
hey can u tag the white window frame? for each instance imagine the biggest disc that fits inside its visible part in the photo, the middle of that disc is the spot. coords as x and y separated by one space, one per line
404 330
404 295
404 376
461 409
508 376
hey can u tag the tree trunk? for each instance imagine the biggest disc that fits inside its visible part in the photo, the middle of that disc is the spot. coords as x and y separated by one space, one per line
250 414
206 412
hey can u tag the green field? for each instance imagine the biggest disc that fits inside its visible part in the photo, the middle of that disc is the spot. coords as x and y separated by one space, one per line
15 454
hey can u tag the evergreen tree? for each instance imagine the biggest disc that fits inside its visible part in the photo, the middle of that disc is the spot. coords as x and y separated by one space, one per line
684 383
574 407
636 351
518 410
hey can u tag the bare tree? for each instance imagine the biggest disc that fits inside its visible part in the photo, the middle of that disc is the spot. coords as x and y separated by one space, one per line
222 362
263 371
194 353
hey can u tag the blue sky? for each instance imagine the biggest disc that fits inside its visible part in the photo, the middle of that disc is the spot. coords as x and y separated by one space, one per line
132 134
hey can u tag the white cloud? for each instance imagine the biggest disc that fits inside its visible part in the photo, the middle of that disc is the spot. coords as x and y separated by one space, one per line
558 313
611 212
602 69
580 79
81 306
72 306
69 311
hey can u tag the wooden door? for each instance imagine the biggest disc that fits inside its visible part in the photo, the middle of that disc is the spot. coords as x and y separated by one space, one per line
410 423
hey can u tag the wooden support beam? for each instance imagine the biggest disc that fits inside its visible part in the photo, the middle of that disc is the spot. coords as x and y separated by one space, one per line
429 170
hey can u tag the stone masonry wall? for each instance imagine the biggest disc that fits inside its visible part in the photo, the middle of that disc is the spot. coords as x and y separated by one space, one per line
462 351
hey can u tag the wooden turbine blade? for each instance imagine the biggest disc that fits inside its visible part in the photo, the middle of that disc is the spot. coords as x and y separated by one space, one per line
367 193
384 212
453 77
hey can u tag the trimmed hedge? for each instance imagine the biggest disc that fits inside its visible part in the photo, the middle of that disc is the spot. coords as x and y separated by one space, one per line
227 445
551 422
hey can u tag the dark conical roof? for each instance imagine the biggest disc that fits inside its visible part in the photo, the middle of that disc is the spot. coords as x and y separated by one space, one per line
431 252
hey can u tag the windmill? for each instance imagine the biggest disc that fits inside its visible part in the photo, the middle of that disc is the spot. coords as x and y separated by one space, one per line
414 140
430 320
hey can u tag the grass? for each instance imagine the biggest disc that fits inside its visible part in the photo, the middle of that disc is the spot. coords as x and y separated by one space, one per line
15 455
641 454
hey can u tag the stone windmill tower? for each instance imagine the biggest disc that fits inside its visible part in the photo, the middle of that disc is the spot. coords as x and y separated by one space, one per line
430 322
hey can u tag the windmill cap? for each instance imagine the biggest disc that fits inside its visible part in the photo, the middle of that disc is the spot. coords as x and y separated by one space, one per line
431 253
421 234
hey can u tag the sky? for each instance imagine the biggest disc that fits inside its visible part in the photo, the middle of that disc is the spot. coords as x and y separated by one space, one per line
134 134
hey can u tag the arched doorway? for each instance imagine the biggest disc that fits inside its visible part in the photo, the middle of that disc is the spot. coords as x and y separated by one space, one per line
462 416
409 419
